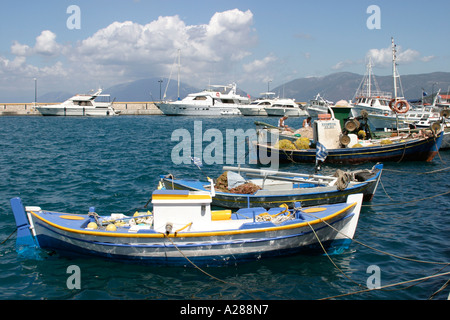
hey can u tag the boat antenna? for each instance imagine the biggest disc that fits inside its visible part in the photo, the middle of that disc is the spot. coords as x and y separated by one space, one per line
179 69
394 66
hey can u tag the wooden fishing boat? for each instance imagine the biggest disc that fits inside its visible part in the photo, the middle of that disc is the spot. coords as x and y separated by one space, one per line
346 148
182 226
276 187
412 149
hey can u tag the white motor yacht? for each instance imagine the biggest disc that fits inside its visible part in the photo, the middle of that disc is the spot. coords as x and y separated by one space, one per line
81 105
210 102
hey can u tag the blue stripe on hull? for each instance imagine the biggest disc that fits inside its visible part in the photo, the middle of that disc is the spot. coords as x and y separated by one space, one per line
331 246
53 239
420 150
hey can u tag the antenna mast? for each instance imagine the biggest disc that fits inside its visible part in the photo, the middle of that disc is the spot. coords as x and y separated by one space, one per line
394 67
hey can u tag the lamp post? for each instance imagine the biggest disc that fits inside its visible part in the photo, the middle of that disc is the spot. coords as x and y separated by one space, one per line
268 85
35 91
160 82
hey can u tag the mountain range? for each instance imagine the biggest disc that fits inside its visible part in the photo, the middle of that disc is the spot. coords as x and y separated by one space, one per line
333 87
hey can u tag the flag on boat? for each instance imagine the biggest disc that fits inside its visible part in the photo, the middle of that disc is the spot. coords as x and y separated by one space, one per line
321 152
197 161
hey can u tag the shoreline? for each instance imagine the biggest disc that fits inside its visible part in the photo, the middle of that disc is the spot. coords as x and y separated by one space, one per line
147 108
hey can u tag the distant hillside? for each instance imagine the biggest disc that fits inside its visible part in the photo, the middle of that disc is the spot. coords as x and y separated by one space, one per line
343 85
334 87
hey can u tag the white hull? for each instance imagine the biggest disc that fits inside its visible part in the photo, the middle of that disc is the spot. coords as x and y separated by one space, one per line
253 111
206 103
291 112
80 106
446 140
173 109
76 111
314 112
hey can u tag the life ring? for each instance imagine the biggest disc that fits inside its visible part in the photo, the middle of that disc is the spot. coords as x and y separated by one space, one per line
217 94
392 103
399 106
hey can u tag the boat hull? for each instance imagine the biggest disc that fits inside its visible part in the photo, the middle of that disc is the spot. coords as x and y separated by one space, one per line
424 149
291 112
446 140
76 111
253 240
250 111
307 196
175 109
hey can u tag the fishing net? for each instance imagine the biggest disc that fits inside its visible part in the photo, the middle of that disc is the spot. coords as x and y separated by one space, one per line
285 144
302 143
246 188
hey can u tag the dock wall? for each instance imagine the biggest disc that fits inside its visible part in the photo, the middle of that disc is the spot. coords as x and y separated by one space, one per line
125 108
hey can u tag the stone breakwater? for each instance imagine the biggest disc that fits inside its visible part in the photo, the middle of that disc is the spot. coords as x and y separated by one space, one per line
125 108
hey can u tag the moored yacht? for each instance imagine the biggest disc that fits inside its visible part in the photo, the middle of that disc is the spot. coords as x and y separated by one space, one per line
210 102
81 105
285 107
257 107
318 105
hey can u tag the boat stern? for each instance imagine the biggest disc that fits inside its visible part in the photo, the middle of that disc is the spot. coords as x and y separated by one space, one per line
26 236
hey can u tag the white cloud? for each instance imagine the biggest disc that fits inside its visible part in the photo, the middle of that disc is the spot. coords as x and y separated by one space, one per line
18 49
383 57
134 48
259 65
342 64
46 44
126 51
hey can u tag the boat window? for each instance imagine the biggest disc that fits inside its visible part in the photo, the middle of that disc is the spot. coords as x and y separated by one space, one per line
227 101
200 98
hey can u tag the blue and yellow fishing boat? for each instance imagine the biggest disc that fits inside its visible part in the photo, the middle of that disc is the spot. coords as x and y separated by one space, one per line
182 228
272 188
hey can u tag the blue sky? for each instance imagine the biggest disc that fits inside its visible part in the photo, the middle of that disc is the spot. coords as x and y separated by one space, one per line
248 42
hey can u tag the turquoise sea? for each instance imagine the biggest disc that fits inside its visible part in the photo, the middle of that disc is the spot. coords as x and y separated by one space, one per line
113 164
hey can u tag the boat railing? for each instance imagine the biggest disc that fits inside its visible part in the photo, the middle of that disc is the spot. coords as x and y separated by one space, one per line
373 94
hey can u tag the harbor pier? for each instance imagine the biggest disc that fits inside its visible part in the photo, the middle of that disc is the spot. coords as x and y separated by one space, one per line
125 108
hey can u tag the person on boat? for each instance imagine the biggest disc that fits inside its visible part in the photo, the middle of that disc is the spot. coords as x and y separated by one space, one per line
307 122
281 124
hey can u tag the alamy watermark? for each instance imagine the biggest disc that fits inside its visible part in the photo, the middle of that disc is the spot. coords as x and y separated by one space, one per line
234 148
74 280
374 280
374 20
74 20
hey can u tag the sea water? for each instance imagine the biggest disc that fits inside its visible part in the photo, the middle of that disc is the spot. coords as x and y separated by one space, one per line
114 164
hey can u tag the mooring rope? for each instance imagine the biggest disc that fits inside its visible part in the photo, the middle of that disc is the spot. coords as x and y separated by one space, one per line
384 287
405 202
388 286
419 173
210 275
375 249
3 242
331 260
